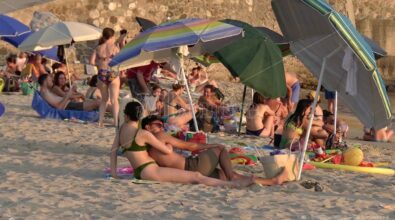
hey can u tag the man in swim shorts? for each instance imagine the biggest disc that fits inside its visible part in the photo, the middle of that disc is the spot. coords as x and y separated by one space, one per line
63 103
205 162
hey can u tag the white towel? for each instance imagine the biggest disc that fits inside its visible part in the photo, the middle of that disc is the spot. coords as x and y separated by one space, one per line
350 65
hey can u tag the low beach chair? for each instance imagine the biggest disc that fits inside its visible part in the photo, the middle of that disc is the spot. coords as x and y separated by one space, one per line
44 110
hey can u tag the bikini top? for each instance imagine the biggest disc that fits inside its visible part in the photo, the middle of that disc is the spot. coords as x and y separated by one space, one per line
135 147
298 130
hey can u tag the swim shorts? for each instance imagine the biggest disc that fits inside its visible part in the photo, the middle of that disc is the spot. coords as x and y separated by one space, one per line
205 163
78 106
295 92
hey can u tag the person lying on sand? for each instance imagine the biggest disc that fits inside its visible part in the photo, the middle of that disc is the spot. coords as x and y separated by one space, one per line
381 135
260 118
63 103
206 161
135 143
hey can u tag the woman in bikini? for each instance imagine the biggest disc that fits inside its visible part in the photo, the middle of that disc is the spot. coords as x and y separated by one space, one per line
260 118
135 150
109 82
296 125
61 87
172 108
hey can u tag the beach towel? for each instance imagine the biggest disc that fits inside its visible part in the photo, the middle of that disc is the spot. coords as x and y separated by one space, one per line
350 65
46 111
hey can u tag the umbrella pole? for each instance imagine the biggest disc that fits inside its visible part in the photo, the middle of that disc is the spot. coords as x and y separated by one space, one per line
67 66
335 114
242 108
313 107
189 97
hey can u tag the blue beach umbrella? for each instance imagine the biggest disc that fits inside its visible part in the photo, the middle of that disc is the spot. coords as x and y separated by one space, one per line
10 27
335 52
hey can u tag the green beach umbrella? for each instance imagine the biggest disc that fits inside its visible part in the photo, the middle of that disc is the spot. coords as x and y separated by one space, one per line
256 60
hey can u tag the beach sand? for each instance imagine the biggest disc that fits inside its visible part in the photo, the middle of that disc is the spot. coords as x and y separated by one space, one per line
54 169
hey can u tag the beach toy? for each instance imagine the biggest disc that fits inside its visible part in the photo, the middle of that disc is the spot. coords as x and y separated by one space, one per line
2 109
120 170
243 160
237 150
352 156
2 84
307 166
374 170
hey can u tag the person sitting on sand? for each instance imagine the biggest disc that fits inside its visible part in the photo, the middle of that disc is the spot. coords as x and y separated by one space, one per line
160 103
206 161
208 100
138 80
63 103
176 110
61 87
329 123
38 68
260 118
135 143
318 134
295 126
293 90
198 79
150 101
280 108
381 135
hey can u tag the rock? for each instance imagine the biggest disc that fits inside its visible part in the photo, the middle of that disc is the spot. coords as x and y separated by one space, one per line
132 5
250 2
94 14
208 14
112 6
113 19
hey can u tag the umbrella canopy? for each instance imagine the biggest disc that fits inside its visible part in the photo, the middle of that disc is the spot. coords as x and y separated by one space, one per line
317 33
62 33
281 42
16 41
10 27
202 36
277 38
145 24
256 60
377 50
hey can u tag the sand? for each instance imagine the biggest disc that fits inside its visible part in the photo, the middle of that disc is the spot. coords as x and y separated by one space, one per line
54 169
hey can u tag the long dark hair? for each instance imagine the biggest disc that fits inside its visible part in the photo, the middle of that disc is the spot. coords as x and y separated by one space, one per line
106 35
134 111
258 99
56 78
297 116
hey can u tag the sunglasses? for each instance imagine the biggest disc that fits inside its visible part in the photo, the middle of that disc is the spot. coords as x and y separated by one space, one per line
159 124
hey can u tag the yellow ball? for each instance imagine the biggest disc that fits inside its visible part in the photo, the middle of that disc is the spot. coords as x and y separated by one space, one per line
353 156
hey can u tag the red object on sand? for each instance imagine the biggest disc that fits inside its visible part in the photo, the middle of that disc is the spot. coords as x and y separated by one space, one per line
308 166
366 164
337 159
237 150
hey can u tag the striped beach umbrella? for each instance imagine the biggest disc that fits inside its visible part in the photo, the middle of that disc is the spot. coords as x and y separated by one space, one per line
176 40
335 52
202 36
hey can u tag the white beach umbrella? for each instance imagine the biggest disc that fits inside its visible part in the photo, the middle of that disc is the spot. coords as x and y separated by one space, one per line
61 33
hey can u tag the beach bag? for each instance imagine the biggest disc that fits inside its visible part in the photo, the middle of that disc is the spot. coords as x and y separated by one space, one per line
273 165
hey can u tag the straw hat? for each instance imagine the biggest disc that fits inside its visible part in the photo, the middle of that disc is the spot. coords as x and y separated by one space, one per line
311 96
